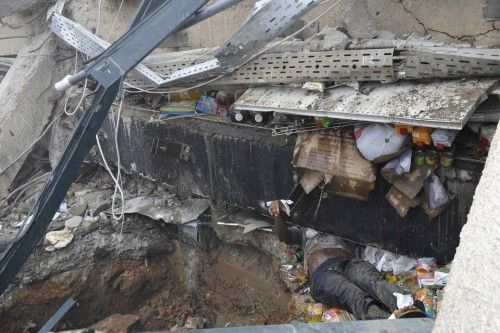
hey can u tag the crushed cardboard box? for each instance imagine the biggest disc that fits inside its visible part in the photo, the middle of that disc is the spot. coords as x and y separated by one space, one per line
333 156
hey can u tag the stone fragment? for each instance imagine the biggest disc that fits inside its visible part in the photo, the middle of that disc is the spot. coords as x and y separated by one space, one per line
358 20
78 209
73 222
118 323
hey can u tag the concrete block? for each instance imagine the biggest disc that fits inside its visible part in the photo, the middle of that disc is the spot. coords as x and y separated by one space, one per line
27 99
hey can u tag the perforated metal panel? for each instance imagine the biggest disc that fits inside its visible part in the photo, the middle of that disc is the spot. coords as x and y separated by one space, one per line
441 62
90 44
269 19
339 66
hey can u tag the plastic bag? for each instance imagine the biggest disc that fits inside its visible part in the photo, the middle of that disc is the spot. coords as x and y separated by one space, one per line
443 138
387 261
379 142
400 164
436 193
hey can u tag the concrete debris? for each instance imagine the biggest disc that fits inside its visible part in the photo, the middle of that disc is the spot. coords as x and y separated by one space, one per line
32 73
169 211
58 239
329 39
79 209
358 20
8 7
73 222
118 323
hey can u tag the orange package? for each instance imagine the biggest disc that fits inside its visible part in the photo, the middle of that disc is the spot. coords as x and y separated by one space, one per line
403 129
422 136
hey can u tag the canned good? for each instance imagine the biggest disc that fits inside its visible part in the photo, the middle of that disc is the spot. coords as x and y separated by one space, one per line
431 157
446 159
419 157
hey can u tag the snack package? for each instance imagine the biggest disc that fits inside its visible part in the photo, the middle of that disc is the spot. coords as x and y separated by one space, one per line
426 295
331 316
403 129
425 271
422 136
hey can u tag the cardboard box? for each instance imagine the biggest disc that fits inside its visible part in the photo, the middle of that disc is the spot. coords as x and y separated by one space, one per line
334 154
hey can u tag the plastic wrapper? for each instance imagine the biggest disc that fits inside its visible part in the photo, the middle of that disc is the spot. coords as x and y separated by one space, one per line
314 313
331 316
379 142
403 129
486 134
400 164
422 136
436 194
443 138
425 271
403 300
426 295
387 261
206 104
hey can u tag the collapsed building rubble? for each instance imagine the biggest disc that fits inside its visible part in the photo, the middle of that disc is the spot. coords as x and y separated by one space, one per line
373 121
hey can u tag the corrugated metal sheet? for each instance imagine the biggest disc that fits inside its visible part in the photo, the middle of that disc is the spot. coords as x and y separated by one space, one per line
439 104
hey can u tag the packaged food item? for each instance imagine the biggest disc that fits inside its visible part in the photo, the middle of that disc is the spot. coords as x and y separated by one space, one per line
331 316
486 134
446 159
206 104
443 138
431 157
425 271
189 95
426 296
314 313
403 129
324 122
422 136
419 157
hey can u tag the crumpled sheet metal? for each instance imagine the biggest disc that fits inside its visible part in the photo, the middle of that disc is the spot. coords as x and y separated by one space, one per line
175 212
438 104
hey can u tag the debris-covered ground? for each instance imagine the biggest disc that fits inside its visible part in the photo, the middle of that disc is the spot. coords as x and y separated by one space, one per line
375 117
154 275
154 272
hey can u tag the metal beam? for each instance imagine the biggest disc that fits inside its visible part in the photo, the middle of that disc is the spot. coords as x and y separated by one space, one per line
109 70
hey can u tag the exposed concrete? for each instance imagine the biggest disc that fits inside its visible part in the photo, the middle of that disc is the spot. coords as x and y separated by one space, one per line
10 6
27 99
471 299
358 20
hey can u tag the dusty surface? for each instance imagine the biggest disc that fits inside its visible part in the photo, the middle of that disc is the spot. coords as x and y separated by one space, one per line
151 271
471 299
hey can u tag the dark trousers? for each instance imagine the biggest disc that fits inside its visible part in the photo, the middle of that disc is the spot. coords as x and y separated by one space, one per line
356 286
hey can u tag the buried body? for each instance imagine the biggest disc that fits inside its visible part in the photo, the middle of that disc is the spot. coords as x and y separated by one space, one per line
337 278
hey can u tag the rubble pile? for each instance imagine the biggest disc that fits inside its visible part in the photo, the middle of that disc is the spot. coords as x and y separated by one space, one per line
365 108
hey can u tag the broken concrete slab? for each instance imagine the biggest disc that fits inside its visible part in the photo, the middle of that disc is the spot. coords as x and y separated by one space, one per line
358 20
22 119
8 7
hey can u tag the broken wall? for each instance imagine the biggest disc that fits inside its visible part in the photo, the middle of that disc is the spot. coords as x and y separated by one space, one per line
401 17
